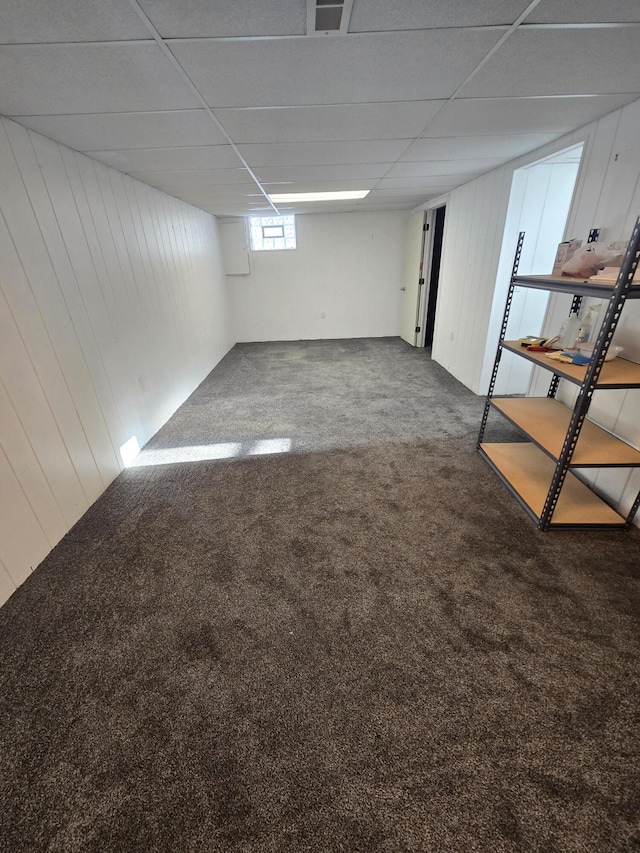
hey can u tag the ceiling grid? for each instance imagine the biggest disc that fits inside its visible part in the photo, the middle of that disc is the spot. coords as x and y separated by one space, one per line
221 104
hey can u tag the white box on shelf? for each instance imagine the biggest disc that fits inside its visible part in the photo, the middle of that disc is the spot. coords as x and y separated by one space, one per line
566 251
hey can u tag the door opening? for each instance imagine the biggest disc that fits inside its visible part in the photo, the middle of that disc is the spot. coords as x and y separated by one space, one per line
434 274
539 203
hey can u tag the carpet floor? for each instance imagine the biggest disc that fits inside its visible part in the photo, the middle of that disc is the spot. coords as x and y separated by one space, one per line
361 644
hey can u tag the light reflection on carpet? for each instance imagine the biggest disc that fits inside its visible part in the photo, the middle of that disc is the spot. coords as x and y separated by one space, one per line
209 452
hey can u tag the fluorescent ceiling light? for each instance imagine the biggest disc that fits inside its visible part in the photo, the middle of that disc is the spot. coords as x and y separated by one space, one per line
343 195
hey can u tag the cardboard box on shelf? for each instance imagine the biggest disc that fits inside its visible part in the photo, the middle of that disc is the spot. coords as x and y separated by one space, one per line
566 251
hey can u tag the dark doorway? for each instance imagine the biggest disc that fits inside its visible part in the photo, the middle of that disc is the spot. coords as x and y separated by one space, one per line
438 231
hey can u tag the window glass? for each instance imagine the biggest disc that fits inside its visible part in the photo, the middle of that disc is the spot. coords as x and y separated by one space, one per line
269 233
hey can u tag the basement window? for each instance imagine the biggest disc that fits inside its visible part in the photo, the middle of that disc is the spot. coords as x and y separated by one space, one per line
270 233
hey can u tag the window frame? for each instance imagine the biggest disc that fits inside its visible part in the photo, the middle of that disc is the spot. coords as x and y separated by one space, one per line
261 241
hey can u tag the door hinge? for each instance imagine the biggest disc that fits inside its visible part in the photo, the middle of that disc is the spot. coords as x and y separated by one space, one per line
420 282
425 227
417 328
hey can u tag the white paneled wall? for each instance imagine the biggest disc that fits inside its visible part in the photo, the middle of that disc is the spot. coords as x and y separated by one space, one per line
112 310
343 281
470 253
607 196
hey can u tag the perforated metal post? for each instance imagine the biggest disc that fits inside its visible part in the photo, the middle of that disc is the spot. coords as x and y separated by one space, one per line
634 509
609 323
576 305
503 331
553 387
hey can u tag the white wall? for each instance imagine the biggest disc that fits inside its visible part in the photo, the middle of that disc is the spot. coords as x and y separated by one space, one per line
476 215
112 310
607 196
348 266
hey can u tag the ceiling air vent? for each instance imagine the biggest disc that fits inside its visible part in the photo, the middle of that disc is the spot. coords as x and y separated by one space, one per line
328 17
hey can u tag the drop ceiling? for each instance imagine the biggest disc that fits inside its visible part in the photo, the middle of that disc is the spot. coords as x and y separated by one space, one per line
219 102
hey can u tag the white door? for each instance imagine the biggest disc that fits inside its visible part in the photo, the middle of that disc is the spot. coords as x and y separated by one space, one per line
412 276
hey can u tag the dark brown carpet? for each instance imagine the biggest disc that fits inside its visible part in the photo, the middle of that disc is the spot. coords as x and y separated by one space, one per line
366 648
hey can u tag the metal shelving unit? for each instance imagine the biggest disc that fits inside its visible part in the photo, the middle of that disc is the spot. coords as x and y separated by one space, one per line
538 471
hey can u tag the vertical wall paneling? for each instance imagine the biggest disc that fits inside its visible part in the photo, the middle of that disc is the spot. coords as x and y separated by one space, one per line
113 308
30 244
7 586
19 554
607 195
33 379
32 459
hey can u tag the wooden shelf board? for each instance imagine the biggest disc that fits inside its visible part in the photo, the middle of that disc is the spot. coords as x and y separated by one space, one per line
578 286
529 472
546 422
618 373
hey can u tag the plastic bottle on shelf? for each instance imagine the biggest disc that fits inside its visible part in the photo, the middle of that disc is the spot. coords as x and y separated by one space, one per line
569 331
587 322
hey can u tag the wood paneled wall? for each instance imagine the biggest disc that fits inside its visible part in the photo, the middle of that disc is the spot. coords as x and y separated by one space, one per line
112 310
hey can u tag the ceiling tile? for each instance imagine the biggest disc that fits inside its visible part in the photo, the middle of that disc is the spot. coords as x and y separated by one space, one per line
322 153
587 11
171 159
561 62
193 178
384 202
202 18
400 120
88 78
112 131
420 183
310 208
454 148
381 206
477 117
353 171
224 210
204 198
252 189
305 71
398 195
248 192
466 169
375 15
74 20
